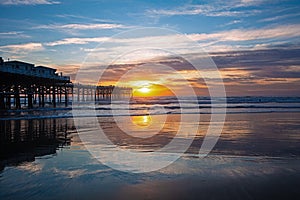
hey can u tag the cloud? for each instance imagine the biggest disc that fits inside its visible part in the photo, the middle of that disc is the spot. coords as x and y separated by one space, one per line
74 29
211 42
68 41
13 34
237 40
118 43
22 48
206 10
232 23
85 18
253 2
254 59
279 17
28 2
213 9
81 26
287 31
244 72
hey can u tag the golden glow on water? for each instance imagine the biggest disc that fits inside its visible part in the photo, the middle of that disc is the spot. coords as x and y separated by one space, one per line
142 121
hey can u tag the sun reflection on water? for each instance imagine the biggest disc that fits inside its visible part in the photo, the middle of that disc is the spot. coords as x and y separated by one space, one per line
142 121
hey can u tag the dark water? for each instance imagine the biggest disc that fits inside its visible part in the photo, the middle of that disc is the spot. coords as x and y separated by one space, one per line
256 157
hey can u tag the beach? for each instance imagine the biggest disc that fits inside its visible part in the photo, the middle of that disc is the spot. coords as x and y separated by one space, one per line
256 157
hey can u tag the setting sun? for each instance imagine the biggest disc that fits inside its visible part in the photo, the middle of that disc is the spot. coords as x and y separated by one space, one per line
144 90
152 89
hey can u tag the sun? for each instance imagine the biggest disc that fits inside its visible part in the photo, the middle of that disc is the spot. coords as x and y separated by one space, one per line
151 90
144 90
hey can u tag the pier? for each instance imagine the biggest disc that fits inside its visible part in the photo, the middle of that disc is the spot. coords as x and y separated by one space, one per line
88 93
24 85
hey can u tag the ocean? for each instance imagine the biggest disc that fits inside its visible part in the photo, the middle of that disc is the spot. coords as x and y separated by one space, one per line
257 155
165 105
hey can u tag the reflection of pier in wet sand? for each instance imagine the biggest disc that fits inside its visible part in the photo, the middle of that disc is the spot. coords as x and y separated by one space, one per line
23 140
25 85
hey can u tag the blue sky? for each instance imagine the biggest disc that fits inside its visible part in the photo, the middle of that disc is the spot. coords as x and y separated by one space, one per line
60 33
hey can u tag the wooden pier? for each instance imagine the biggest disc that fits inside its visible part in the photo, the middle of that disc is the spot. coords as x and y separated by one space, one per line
88 93
25 85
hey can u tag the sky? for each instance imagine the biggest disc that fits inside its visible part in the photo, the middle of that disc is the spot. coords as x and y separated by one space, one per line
253 43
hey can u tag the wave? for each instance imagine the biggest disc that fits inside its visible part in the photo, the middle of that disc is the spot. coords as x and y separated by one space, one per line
36 117
216 100
164 105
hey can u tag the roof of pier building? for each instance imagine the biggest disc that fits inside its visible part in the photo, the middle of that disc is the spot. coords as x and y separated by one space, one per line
28 69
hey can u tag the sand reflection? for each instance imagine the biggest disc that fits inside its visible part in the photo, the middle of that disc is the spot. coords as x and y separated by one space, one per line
142 121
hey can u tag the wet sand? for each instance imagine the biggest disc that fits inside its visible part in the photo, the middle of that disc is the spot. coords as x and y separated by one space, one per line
256 157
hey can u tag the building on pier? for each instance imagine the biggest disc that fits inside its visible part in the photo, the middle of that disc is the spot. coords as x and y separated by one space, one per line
28 69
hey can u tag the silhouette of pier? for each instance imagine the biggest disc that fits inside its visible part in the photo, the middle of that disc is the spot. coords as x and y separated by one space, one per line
25 85
88 93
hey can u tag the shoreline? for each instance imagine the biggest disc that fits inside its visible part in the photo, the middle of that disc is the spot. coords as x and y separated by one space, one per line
36 117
